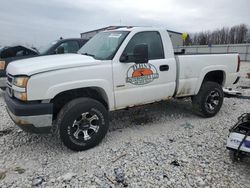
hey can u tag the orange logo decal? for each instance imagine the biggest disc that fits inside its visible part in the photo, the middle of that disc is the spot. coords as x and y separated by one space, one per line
140 74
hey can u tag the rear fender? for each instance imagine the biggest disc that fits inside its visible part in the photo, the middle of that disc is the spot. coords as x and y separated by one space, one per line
208 69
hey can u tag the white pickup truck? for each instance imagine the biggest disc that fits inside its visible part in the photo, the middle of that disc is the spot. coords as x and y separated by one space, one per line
116 69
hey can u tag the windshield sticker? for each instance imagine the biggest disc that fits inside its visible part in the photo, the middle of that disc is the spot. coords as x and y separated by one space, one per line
115 35
140 74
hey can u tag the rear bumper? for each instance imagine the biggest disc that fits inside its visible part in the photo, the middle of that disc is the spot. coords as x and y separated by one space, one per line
31 117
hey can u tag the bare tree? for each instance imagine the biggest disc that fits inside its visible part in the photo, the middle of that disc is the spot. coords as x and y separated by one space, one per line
242 33
234 35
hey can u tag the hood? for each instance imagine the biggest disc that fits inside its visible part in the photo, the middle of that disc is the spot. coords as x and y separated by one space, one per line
48 63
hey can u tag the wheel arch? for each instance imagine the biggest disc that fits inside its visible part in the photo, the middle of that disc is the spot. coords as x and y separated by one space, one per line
218 76
215 74
64 97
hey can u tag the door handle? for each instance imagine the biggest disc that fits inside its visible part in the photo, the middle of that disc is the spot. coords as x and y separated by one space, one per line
164 68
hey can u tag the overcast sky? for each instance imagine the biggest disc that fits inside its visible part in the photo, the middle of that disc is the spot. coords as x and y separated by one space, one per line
41 21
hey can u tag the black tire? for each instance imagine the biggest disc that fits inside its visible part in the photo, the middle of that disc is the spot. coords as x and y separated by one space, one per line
75 123
209 99
232 156
235 157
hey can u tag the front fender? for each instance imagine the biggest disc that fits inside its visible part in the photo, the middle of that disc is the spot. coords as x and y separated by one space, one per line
45 86
54 90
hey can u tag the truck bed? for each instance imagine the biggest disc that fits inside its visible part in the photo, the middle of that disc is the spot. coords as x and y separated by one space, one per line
191 68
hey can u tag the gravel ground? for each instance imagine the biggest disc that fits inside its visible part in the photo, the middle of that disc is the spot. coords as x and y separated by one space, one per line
159 145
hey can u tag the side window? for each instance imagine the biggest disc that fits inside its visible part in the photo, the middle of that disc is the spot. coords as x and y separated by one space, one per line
29 52
150 38
20 53
68 47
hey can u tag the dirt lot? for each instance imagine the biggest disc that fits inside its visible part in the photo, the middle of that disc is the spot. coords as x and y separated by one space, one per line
159 145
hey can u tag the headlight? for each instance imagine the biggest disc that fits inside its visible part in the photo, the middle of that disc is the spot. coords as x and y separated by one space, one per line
21 81
20 95
2 65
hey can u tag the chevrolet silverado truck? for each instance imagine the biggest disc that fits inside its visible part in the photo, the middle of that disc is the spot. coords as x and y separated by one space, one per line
14 53
116 69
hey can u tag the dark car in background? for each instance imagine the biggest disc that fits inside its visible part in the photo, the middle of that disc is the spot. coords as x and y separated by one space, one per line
13 53
62 46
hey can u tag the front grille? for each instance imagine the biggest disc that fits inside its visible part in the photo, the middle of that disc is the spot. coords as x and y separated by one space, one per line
10 91
10 80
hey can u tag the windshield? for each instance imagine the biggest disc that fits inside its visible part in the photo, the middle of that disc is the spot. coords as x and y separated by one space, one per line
44 49
104 45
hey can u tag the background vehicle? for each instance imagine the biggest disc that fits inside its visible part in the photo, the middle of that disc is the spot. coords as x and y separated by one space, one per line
116 69
16 51
238 141
10 54
62 46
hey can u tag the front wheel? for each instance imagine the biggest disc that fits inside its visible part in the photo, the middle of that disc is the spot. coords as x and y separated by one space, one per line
82 123
209 99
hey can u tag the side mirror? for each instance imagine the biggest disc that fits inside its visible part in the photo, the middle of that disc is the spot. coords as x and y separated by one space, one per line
141 53
60 50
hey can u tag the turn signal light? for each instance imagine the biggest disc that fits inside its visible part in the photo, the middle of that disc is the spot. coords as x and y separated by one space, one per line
2 65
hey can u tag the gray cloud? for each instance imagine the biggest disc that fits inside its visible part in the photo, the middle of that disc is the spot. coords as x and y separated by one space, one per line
38 22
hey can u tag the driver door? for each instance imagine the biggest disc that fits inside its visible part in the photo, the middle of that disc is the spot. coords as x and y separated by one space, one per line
136 84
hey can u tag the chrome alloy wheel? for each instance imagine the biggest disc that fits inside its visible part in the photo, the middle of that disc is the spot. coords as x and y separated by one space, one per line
212 100
85 126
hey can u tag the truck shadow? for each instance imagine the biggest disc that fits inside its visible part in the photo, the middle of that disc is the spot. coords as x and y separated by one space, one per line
151 113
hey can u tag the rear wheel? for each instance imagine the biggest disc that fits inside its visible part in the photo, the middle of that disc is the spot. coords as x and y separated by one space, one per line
82 123
235 156
209 99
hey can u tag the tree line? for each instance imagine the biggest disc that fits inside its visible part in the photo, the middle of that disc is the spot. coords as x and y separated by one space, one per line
234 35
